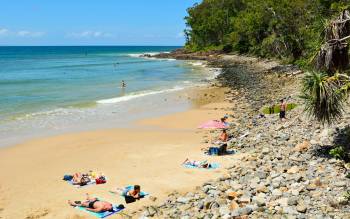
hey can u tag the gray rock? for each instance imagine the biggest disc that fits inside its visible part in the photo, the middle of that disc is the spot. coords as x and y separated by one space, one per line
259 200
289 210
224 210
244 199
214 192
340 183
183 200
245 210
235 213
265 150
301 208
292 201
276 193
261 175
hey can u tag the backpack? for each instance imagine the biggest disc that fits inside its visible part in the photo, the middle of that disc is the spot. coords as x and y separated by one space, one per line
213 151
67 177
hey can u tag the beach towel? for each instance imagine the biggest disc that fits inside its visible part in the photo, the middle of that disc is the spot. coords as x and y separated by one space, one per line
93 182
105 214
212 166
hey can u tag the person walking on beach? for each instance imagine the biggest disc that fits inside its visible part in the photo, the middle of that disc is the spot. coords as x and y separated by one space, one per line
283 108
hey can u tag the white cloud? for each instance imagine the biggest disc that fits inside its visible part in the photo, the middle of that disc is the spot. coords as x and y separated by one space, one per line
89 34
3 31
25 33
20 33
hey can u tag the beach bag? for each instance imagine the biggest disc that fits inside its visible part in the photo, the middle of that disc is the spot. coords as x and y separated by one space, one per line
67 177
213 151
100 181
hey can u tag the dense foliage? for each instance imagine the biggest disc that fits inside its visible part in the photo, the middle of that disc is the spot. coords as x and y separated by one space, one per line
291 30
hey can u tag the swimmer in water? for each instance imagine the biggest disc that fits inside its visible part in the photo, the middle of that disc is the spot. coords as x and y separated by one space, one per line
123 84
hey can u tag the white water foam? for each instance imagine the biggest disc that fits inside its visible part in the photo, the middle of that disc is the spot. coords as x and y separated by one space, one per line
214 73
139 55
137 95
198 63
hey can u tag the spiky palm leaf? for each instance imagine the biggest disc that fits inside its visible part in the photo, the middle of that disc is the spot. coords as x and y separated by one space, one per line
325 96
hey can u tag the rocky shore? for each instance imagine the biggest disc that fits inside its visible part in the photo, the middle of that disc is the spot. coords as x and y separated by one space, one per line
281 169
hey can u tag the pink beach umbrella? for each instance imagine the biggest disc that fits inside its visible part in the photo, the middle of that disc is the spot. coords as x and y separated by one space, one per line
213 124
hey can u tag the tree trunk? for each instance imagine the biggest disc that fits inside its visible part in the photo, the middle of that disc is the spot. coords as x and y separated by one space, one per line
333 55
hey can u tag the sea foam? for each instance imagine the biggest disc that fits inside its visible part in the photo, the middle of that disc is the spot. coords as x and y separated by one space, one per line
136 95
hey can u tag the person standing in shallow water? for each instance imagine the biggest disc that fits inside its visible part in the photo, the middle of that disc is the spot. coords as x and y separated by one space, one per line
283 108
123 84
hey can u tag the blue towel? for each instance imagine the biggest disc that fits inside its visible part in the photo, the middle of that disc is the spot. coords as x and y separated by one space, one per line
212 166
102 214
128 188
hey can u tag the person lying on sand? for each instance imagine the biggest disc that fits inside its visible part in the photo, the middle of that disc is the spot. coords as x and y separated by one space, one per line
203 164
93 204
80 179
134 193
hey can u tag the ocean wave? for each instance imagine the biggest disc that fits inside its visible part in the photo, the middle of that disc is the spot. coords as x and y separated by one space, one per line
136 95
140 55
214 73
198 63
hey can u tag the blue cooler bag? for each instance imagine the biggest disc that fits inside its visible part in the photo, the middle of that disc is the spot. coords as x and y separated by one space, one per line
213 151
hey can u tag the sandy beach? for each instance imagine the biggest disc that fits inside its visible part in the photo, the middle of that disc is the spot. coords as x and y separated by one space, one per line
149 154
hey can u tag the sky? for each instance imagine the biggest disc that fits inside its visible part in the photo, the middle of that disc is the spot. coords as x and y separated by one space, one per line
93 22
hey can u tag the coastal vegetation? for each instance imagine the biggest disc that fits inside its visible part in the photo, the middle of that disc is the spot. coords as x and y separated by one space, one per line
309 33
312 34
290 30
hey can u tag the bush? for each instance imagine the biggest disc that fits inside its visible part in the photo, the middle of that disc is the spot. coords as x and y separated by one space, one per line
338 153
227 48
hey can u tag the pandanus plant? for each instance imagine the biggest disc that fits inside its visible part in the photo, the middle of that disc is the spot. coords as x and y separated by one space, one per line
325 90
324 96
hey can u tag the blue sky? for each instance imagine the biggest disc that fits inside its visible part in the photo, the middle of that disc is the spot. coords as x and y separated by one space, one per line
93 22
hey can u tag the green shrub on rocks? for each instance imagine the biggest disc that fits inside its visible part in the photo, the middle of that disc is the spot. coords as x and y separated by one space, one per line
338 153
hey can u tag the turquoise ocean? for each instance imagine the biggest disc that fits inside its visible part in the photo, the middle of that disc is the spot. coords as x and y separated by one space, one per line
53 89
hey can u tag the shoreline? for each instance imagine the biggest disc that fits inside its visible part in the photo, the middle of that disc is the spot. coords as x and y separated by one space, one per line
79 119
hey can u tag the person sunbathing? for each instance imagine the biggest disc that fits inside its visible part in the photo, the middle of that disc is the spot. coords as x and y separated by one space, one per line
222 139
93 204
80 179
203 164
135 192
130 195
